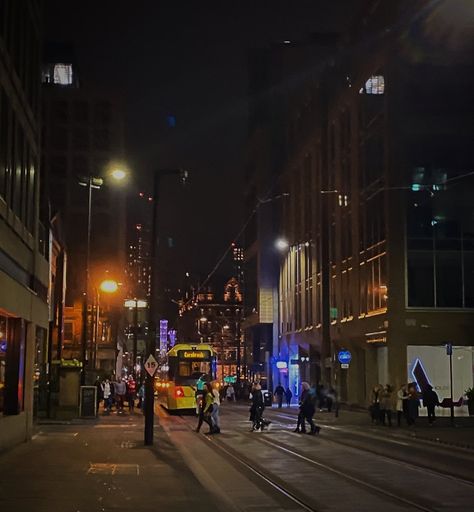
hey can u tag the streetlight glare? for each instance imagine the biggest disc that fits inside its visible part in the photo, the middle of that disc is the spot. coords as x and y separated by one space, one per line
109 286
281 244
118 174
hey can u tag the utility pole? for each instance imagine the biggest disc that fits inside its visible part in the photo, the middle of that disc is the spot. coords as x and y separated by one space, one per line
135 338
85 298
152 313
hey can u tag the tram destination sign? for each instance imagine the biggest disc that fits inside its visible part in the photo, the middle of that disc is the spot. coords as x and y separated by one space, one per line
194 354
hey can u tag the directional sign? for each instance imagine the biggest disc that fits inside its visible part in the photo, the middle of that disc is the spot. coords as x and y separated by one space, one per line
151 365
344 356
344 366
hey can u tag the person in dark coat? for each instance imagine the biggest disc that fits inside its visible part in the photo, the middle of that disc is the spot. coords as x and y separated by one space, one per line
279 392
256 410
307 410
430 401
288 396
413 404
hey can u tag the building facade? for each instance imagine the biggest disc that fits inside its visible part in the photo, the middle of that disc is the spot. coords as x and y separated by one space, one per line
24 269
207 318
83 138
378 220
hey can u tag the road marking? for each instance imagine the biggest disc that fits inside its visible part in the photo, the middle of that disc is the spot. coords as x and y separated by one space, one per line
104 468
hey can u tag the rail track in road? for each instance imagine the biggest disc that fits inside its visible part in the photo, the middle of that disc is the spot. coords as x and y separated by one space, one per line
369 492
393 498
454 474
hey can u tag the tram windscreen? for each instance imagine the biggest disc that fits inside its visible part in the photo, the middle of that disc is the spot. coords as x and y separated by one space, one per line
189 366
189 372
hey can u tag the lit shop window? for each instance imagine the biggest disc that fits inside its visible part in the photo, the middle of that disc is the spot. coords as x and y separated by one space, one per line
63 74
374 85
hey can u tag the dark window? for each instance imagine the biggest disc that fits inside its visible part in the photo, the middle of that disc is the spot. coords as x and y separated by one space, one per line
60 112
420 279
102 112
81 112
448 279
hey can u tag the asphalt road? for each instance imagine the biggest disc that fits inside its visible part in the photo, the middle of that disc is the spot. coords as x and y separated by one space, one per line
102 466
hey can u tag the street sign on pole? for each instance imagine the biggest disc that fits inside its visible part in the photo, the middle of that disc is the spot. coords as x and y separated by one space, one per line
344 366
151 365
344 357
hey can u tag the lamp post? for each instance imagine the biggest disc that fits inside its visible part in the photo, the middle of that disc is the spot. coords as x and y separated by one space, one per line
152 314
108 286
91 182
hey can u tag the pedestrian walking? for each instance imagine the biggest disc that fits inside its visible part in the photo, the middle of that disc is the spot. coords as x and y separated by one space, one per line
375 403
130 393
386 404
107 394
205 409
230 393
401 407
99 394
256 410
430 401
216 409
288 396
279 392
413 404
308 402
120 391
141 397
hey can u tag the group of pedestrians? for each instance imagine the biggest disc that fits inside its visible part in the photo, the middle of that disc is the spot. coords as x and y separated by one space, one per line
117 393
406 401
208 403
280 393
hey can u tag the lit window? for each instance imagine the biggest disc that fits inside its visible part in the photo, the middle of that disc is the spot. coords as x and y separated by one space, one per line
63 74
374 85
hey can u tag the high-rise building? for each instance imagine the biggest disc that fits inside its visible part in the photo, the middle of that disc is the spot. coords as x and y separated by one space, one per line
24 246
378 224
83 138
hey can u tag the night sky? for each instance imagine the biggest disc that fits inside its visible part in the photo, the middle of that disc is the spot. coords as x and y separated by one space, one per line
187 59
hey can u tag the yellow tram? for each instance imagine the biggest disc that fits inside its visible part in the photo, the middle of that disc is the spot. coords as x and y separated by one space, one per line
189 367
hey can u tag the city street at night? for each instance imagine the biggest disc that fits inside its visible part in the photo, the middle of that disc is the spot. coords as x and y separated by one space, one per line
236 255
103 466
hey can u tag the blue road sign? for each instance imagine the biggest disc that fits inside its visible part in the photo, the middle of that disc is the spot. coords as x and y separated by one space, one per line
344 356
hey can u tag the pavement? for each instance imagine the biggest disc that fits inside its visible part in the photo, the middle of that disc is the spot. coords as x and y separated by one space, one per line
99 466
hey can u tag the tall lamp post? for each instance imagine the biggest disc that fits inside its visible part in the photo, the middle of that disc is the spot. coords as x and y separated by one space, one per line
152 314
91 182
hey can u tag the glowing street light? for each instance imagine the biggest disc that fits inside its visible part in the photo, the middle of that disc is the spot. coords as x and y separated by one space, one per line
118 174
109 286
281 244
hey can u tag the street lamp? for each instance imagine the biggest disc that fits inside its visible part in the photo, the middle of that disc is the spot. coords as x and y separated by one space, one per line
281 244
91 182
108 286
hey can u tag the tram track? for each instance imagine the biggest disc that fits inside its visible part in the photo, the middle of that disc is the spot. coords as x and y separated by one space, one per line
392 458
294 495
254 470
